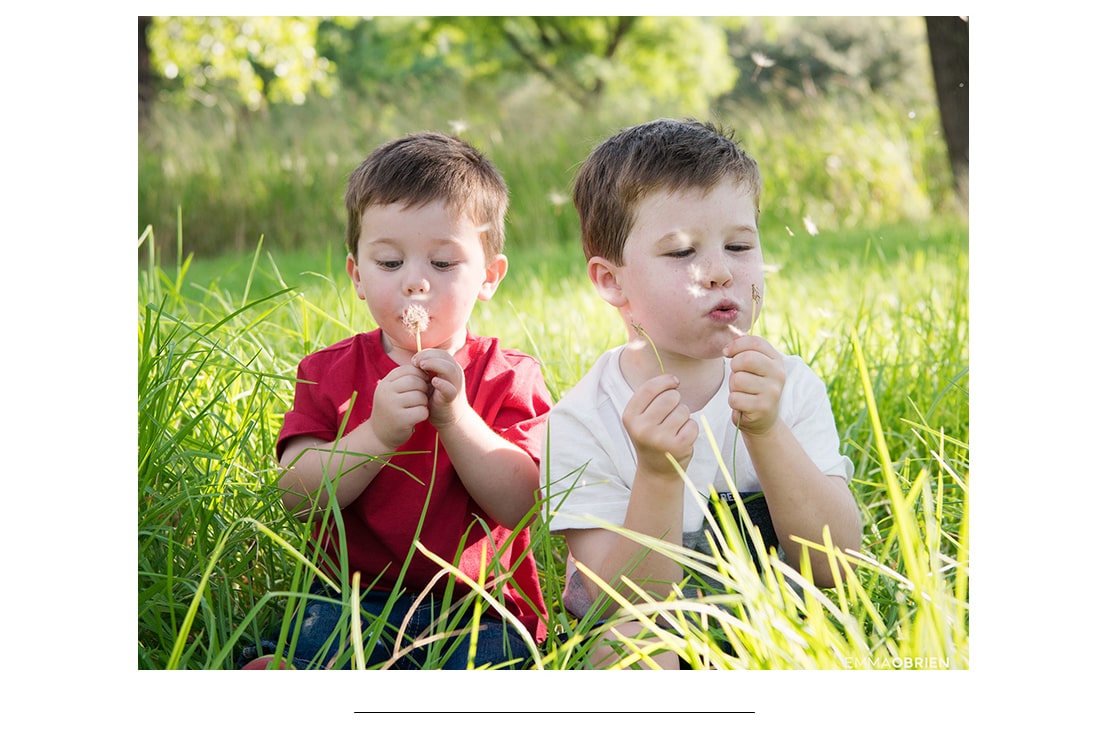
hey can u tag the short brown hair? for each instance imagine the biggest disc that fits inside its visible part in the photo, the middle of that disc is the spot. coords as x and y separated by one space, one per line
664 154
424 167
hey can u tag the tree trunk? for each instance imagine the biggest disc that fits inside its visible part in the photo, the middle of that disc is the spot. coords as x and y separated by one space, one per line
948 38
145 75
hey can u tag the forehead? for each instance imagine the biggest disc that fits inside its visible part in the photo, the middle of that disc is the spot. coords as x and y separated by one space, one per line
726 205
433 228
433 219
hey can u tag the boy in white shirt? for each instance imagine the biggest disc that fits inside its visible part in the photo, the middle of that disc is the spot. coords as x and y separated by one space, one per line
669 224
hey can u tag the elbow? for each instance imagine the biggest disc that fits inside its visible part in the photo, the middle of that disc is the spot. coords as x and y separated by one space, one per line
297 505
521 508
520 514
293 497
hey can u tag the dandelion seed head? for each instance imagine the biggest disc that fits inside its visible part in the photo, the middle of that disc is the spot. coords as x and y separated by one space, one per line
415 318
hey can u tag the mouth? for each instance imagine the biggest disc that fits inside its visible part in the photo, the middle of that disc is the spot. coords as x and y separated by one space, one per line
724 312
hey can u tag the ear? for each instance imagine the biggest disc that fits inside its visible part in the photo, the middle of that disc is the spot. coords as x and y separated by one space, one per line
495 271
605 278
354 274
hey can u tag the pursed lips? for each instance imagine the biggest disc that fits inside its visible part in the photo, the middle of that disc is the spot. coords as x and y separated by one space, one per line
725 309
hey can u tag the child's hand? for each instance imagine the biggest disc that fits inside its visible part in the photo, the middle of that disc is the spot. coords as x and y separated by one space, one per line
756 381
399 404
658 423
448 386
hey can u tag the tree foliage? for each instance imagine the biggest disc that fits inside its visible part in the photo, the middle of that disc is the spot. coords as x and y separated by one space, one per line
683 61
264 59
797 58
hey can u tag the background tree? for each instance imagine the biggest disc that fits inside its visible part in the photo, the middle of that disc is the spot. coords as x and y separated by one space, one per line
948 38
147 79
680 60
844 108
264 59
793 60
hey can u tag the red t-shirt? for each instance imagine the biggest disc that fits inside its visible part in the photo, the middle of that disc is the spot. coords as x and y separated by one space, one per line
507 390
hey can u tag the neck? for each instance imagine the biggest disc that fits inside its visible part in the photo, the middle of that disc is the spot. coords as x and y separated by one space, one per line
699 378
403 355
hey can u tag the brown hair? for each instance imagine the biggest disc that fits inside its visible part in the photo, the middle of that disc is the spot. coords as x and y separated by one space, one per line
424 167
664 154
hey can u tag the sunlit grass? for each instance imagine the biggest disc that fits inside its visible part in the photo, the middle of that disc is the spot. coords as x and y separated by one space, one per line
882 317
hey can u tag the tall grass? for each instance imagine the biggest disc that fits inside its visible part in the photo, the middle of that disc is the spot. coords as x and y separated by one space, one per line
882 316
241 275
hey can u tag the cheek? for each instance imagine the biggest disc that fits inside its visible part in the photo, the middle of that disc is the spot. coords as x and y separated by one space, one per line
375 293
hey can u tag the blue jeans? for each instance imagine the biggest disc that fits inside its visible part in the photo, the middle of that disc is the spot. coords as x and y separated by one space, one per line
498 644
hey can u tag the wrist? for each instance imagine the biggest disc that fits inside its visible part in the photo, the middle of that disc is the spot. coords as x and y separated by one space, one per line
453 416
375 443
760 433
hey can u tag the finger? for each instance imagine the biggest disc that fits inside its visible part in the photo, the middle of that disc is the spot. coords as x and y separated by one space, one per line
412 399
445 388
442 367
746 382
749 343
412 384
649 391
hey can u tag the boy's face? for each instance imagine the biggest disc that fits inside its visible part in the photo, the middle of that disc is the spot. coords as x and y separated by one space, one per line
430 255
690 261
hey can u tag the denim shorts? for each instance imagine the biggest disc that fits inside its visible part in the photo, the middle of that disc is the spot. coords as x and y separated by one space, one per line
496 644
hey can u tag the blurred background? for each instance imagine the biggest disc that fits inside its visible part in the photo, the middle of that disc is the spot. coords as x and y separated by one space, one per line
249 126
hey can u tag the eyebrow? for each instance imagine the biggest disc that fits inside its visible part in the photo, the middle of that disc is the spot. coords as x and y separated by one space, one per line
393 242
681 236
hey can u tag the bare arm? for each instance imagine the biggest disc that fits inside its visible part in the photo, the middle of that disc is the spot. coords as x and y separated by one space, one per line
801 498
500 476
347 462
352 461
658 424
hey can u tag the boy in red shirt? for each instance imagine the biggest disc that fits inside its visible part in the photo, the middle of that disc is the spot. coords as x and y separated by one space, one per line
419 430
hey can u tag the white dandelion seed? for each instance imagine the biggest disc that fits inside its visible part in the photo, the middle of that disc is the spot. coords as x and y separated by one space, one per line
761 61
699 278
557 199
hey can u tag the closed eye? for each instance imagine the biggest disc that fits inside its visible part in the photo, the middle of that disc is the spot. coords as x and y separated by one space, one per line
389 265
683 253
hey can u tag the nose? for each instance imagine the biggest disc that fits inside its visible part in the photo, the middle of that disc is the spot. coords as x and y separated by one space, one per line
416 283
716 272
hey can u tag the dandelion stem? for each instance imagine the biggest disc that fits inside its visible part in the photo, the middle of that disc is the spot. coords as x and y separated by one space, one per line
640 330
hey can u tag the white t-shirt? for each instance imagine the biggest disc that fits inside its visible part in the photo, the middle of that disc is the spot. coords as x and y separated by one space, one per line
591 461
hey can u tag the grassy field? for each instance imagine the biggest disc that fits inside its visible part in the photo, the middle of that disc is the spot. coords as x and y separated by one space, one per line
240 274
882 316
